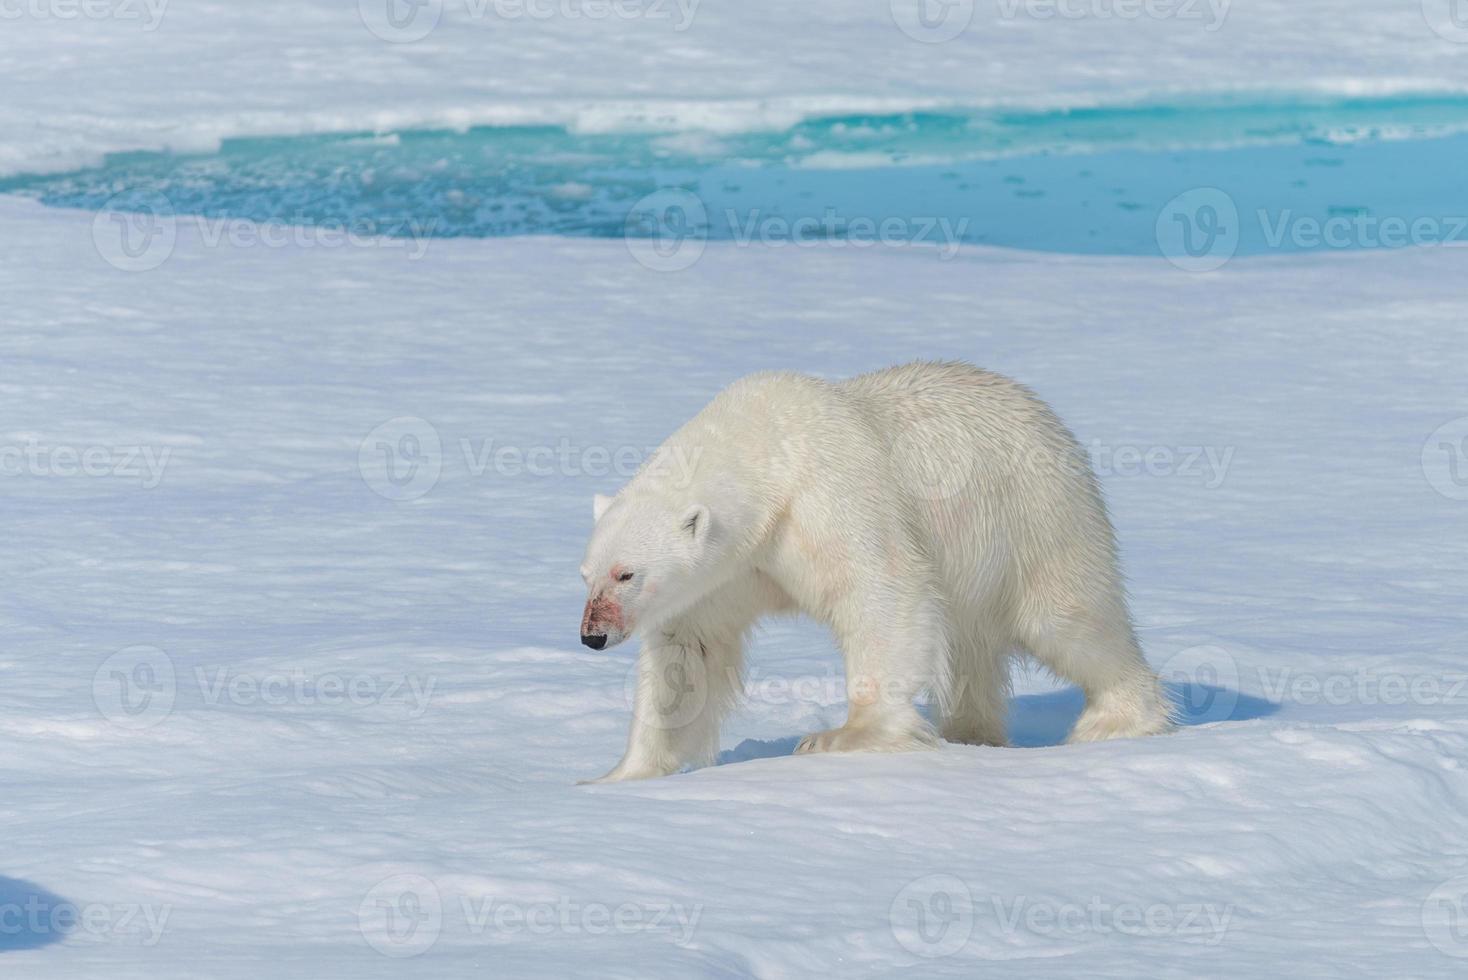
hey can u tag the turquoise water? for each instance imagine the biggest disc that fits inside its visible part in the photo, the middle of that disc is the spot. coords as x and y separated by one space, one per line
1259 176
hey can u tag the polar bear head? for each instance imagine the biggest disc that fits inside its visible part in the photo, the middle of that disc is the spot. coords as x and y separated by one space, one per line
649 557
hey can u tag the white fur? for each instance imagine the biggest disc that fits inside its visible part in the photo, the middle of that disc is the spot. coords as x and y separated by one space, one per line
937 517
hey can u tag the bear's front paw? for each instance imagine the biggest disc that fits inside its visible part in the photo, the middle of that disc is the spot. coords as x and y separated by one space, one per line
867 739
624 772
616 776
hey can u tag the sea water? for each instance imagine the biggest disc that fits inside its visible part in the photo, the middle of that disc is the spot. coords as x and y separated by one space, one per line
1186 180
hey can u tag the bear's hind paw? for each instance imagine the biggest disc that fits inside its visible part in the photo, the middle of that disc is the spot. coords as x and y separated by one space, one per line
867 739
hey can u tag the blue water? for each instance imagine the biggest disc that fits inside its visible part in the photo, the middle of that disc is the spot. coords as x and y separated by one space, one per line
1246 177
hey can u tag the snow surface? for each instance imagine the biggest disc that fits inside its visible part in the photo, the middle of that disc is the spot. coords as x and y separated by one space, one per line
182 74
253 820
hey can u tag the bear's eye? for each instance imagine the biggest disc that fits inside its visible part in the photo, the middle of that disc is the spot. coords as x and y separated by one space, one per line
625 577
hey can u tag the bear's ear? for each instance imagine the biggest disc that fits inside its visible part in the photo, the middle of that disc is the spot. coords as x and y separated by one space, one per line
599 505
696 521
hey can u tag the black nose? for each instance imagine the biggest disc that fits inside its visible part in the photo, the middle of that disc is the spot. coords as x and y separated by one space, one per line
596 641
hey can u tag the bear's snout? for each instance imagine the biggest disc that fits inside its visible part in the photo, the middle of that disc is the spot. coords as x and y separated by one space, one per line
602 624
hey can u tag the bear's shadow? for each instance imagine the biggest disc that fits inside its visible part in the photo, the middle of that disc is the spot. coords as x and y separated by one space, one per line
33 919
1038 720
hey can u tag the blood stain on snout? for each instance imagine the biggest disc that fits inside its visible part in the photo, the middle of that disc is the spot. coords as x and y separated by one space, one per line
601 613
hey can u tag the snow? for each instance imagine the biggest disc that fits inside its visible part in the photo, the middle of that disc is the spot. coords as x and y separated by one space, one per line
280 704
365 763
86 77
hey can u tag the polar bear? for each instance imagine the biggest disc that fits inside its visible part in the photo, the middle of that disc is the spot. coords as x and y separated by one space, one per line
937 517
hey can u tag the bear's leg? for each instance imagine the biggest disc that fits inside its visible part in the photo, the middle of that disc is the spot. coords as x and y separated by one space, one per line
894 647
977 706
686 682
1098 652
689 675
